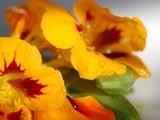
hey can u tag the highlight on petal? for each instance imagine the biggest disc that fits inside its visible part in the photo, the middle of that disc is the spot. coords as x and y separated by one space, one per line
60 28
128 34
91 65
25 79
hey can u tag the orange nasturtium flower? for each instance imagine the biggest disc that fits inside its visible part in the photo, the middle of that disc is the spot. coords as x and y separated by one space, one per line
32 91
100 42
25 81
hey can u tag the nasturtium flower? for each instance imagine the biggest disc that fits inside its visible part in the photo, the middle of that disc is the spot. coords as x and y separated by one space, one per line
106 31
25 80
113 35
86 108
97 34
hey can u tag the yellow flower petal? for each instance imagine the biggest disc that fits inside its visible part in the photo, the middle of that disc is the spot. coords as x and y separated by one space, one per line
135 63
60 28
91 65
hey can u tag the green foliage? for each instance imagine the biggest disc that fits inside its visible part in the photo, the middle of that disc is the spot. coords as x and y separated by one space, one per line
77 87
117 84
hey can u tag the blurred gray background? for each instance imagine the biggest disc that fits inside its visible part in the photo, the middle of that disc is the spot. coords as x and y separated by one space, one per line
146 97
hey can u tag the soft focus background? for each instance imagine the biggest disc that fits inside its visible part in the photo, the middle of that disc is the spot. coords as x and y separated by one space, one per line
146 96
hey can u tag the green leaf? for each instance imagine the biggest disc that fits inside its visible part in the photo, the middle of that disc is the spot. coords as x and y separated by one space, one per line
117 84
77 87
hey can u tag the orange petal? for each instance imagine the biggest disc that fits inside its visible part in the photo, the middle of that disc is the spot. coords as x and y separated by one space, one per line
86 109
89 107
135 63
66 112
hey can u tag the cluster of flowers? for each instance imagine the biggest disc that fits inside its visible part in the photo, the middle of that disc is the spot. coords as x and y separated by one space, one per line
56 67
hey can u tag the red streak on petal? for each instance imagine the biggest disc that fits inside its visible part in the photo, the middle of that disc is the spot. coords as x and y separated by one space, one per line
89 17
1 113
79 28
15 115
31 88
24 34
106 38
12 67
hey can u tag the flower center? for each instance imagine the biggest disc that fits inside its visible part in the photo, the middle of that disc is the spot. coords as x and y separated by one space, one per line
7 93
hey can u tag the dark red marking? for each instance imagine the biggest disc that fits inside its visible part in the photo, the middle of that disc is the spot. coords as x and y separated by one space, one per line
24 34
106 38
31 88
1 113
89 17
115 55
75 106
15 115
79 28
13 67
80 108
